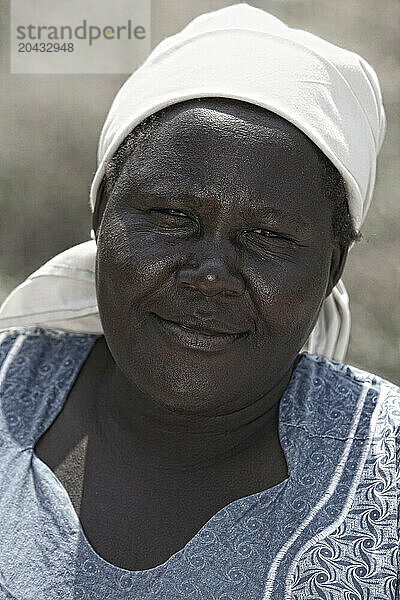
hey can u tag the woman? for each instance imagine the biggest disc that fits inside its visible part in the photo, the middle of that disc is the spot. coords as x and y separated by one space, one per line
174 441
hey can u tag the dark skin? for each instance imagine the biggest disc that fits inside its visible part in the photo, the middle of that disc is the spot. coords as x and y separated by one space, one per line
223 189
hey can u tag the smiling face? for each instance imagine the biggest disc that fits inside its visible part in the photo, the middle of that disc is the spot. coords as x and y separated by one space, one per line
218 221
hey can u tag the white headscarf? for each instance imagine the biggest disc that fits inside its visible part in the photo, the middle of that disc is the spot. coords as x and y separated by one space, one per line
244 53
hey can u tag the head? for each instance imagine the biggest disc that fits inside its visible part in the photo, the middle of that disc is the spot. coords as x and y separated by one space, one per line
216 187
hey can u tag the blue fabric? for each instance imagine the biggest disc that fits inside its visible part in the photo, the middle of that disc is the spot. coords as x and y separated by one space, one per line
330 530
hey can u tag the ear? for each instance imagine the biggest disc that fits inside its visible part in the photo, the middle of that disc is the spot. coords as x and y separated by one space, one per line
338 261
99 209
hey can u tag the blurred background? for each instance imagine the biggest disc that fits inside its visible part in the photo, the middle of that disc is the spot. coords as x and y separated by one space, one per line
50 126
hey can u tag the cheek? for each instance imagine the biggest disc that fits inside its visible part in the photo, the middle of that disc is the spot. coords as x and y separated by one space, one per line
131 267
290 294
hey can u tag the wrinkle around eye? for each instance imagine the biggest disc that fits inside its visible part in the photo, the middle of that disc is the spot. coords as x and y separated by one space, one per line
160 221
150 216
166 212
163 217
273 246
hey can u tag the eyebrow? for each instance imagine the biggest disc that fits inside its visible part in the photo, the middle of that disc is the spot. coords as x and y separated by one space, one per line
279 214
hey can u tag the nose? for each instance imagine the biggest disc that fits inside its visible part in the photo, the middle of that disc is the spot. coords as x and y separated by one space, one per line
211 275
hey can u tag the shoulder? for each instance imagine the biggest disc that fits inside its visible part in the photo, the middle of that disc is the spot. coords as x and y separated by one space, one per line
342 400
387 392
346 375
37 368
19 345
16 343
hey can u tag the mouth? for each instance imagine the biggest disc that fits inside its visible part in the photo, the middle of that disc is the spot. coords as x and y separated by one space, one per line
197 339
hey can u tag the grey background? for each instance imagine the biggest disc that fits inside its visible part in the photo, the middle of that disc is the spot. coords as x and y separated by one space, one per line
50 125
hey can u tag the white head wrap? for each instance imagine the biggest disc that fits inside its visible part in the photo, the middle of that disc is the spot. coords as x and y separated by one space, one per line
244 53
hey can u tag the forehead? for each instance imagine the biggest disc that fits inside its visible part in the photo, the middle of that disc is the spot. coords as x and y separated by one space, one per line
224 148
219 124
220 120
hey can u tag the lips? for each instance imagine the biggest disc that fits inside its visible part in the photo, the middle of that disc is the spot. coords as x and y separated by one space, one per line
212 327
191 334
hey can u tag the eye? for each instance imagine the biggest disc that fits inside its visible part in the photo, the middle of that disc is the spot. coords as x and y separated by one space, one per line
266 232
172 220
267 238
270 234
170 212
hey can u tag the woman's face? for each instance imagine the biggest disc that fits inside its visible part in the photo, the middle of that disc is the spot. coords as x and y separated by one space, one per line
235 193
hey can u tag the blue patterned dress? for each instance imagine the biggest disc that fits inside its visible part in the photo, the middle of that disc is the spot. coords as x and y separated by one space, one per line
330 530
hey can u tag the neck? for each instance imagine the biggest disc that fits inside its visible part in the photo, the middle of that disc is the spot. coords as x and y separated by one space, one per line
130 423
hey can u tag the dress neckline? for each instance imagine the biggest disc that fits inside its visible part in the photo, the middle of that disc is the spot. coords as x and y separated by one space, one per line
269 494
